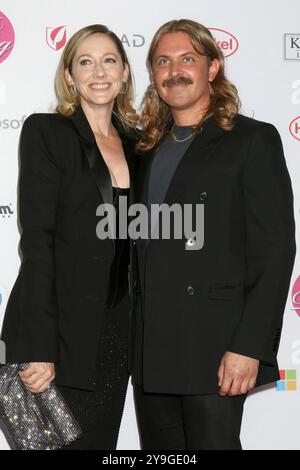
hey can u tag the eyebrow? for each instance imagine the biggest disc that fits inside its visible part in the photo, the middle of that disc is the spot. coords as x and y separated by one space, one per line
181 55
89 55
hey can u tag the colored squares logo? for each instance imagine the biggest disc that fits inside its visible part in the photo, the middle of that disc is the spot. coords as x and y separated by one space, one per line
288 381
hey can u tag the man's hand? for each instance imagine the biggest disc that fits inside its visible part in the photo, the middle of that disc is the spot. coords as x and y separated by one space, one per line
38 376
237 374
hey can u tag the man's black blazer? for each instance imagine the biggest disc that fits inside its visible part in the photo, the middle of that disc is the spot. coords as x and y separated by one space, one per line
231 294
54 313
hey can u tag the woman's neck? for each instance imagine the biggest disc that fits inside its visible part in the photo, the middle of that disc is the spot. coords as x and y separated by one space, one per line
99 118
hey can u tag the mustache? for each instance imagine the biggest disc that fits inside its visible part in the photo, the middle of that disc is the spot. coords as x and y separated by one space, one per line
177 81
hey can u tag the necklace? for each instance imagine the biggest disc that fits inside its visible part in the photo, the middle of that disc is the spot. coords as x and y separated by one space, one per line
186 138
179 140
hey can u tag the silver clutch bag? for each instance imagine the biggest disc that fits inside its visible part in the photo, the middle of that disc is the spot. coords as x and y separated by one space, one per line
34 421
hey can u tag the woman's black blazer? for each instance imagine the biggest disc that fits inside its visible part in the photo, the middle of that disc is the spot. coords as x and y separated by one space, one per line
55 309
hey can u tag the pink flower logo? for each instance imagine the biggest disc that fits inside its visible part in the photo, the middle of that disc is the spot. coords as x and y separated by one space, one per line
7 37
56 37
296 296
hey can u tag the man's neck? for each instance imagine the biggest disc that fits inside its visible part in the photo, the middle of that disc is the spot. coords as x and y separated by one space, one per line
191 115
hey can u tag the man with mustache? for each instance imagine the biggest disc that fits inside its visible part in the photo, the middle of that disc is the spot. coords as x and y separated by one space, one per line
207 322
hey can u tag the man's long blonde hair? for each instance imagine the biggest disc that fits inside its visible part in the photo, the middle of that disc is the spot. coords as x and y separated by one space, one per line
224 99
68 100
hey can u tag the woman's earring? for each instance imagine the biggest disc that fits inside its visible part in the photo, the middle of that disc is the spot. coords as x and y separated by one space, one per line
74 89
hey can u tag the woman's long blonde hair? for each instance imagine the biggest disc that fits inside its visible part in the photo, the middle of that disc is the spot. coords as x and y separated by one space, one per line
68 100
224 99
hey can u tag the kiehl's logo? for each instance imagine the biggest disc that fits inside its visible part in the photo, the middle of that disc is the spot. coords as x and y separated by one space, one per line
7 37
295 128
56 37
227 42
292 46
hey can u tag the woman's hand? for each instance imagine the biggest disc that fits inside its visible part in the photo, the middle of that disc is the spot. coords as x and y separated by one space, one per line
38 376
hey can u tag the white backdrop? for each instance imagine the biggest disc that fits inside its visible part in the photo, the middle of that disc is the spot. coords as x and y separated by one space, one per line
262 41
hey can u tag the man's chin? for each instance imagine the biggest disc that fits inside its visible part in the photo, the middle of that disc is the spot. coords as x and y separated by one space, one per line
179 106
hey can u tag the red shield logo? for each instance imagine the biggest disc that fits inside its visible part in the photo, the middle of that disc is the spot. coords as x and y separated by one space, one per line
56 37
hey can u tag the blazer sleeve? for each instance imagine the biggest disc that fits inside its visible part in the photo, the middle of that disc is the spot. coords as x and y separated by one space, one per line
270 246
39 189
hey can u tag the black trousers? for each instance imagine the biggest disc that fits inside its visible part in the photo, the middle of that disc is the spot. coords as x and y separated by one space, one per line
99 412
204 422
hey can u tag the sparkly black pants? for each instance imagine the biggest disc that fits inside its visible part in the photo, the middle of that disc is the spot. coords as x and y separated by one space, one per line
99 412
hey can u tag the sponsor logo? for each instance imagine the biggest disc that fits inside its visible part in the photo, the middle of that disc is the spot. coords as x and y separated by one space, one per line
56 37
7 37
287 382
6 211
292 46
295 128
296 296
12 123
227 42
137 40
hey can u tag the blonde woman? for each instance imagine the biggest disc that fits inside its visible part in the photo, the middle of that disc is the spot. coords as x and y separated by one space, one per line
68 312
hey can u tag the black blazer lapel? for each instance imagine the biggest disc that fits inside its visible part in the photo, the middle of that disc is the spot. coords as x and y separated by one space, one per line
194 158
94 157
129 140
95 160
204 143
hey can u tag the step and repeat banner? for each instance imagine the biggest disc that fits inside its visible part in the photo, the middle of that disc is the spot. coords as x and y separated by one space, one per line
261 43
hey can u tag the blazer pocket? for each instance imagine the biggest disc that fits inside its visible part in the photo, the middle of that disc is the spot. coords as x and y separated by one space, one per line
224 291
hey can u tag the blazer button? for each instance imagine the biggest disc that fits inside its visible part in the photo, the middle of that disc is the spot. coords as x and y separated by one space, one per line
190 290
203 196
